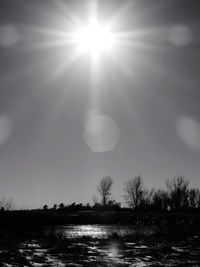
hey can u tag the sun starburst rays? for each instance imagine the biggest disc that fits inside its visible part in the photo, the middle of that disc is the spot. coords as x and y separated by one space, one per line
94 36
94 54
96 40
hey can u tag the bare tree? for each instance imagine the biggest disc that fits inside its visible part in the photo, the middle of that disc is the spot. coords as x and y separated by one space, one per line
148 198
194 198
94 199
135 192
178 192
160 200
7 204
104 189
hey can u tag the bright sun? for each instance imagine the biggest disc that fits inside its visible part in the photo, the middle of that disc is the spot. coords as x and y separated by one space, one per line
94 39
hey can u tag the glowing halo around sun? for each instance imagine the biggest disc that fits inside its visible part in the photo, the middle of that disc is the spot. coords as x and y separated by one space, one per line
94 39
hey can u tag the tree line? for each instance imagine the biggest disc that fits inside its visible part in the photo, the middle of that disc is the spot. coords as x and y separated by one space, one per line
177 196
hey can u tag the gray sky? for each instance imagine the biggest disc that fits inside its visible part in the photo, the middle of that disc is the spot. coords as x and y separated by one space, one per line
65 123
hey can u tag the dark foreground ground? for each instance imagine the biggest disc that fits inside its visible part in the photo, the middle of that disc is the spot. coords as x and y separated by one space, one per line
40 238
43 247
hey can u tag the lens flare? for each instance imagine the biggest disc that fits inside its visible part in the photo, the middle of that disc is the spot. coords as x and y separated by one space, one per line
188 129
101 133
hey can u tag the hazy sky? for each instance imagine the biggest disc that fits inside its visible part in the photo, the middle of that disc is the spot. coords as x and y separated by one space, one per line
139 107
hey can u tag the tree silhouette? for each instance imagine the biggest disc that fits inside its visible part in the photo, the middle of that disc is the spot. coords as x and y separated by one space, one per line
194 198
104 189
55 206
7 203
160 201
135 192
178 192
